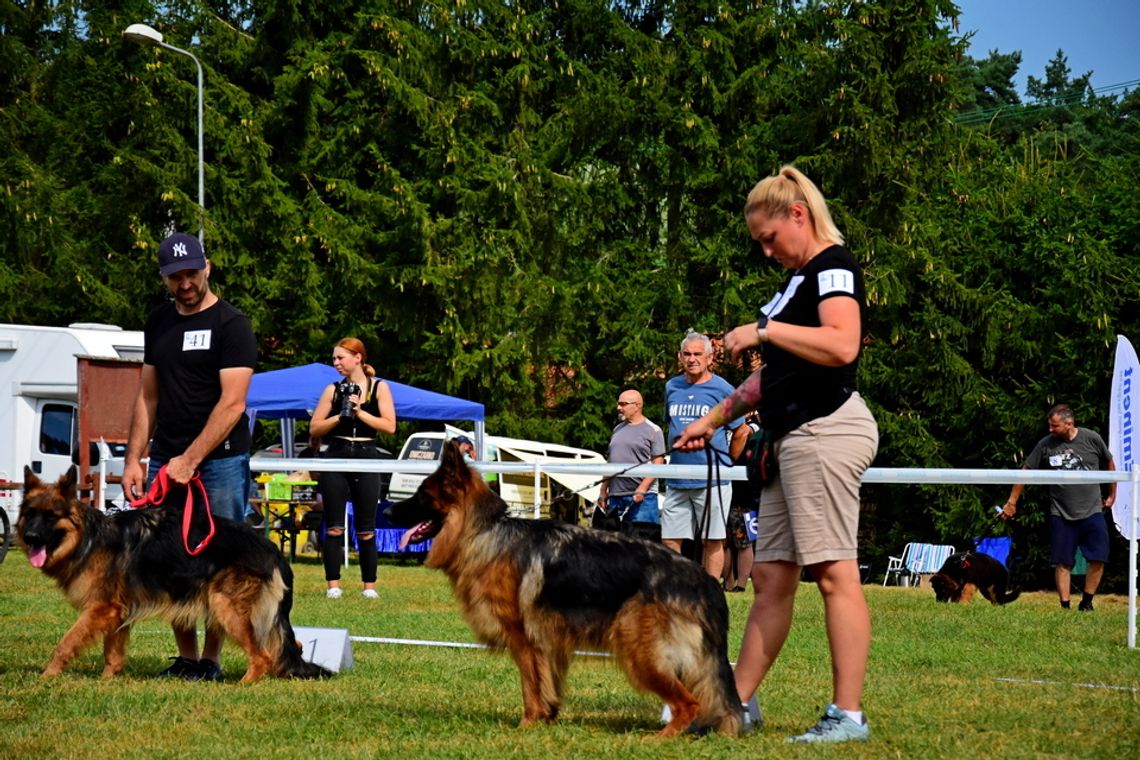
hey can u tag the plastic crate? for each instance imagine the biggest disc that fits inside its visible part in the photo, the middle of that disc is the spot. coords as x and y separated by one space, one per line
291 490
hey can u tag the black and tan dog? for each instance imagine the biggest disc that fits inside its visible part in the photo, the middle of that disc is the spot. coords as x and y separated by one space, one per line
118 569
966 572
542 589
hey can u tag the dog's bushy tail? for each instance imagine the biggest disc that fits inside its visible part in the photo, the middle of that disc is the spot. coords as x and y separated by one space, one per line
730 720
717 693
290 663
293 665
1008 597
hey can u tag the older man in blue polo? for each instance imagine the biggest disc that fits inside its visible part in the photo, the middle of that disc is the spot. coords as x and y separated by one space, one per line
688 397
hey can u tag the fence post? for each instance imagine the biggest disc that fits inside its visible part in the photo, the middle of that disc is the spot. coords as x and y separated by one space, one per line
537 490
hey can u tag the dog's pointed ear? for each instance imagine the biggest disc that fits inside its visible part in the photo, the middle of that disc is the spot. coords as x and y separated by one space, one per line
452 457
67 482
30 479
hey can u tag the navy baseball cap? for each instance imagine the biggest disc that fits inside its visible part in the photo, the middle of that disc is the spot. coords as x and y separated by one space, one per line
462 439
178 252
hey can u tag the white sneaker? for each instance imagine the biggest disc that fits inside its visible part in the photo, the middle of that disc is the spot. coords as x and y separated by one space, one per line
369 593
834 726
666 715
334 593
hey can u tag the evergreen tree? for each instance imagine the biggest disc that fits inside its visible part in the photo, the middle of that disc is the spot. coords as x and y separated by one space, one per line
528 204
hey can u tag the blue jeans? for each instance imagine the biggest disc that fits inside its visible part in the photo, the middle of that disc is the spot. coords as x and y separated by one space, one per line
631 511
226 480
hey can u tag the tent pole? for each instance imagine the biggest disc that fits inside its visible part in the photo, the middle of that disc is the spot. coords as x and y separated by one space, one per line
1132 557
288 437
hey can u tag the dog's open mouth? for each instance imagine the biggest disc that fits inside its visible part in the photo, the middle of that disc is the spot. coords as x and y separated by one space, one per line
37 555
421 532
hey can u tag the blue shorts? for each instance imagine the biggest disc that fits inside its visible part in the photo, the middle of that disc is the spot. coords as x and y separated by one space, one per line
630 511
1090 534
226 480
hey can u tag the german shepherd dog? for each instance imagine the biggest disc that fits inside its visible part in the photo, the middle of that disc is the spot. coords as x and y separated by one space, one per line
118 569
966 572
542 588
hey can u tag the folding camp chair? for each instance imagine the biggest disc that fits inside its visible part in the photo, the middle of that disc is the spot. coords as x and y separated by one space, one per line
916 561
998 547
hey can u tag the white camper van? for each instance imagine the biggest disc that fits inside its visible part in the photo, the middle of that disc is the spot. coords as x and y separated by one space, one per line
570 494
39 395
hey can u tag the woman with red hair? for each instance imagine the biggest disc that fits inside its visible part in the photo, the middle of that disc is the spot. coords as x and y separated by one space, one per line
348 416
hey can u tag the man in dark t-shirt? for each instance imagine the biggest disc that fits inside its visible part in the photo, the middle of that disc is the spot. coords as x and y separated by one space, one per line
199 356
1076 510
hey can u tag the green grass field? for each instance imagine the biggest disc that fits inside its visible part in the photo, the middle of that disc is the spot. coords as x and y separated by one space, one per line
975 681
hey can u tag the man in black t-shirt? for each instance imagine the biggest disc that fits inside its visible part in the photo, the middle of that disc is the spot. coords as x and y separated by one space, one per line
199 356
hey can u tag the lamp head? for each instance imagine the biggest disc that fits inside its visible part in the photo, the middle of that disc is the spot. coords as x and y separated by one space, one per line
143 34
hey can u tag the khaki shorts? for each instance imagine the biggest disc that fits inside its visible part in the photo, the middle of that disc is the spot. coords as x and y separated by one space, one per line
684 507
810 512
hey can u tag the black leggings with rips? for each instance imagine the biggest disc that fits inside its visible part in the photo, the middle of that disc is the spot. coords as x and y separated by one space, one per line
363 489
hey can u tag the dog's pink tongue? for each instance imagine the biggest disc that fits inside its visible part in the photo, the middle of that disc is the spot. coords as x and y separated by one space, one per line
37 555
410 534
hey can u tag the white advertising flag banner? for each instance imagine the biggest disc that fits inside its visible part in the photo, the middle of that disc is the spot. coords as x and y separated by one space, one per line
1123 417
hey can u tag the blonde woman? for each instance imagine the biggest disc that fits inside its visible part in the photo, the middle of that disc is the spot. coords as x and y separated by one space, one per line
811 335
348 416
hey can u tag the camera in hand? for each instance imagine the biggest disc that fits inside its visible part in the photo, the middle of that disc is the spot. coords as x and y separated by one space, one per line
347 388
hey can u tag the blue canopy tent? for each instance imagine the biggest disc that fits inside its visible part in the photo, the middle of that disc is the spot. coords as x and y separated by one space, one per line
292 393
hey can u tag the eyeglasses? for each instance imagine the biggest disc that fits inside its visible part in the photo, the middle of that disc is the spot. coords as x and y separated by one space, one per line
627 403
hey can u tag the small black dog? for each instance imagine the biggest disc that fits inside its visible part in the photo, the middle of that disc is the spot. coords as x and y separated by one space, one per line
966 572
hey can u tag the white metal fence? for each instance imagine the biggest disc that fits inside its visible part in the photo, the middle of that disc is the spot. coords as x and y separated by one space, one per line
898 475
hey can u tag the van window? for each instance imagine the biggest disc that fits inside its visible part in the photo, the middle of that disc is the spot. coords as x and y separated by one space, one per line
554 454
427 449
56 429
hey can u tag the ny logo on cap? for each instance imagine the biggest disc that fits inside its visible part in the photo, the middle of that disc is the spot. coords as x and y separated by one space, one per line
180 250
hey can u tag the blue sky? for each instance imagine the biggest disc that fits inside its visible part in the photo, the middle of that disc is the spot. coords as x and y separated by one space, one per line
1102 36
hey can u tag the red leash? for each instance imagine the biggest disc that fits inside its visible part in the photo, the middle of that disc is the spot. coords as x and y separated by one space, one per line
159 489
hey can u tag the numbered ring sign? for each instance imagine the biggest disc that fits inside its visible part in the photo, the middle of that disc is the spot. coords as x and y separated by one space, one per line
328 647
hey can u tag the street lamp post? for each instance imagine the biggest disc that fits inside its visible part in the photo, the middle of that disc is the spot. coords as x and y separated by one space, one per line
145 35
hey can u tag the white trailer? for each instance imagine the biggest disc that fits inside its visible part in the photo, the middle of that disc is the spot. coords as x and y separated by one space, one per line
39 393
573 493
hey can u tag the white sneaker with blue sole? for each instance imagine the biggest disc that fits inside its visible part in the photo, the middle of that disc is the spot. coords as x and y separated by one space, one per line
834 726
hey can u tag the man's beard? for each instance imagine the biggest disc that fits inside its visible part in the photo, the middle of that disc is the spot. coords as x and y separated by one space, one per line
192 297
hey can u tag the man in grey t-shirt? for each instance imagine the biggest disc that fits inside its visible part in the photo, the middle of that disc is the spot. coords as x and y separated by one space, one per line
635 440
1076 511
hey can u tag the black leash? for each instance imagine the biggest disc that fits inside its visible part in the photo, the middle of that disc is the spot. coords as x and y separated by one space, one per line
702 526
701 529
567 495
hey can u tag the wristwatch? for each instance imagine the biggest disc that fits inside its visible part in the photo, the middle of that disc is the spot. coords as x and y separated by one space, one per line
762 327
